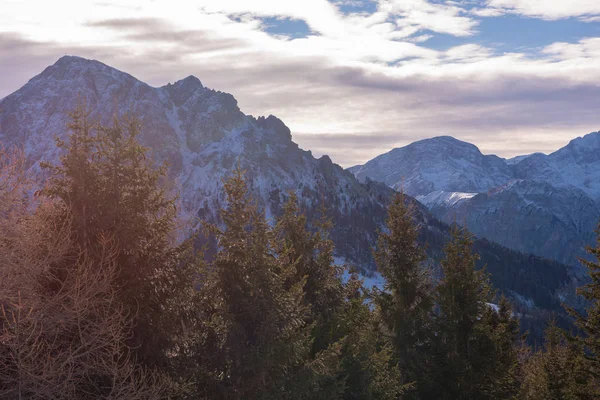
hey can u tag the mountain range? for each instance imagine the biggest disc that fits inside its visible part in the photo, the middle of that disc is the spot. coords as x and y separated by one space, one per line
548 205
203 136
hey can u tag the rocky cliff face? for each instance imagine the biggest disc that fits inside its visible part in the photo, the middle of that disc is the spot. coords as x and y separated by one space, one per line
575 165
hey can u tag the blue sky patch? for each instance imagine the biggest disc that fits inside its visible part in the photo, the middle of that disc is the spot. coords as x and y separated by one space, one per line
292 28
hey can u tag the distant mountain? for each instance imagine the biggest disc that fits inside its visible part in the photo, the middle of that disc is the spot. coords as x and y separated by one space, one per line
542 204
203 136
577 164
525 215
518 159
439 164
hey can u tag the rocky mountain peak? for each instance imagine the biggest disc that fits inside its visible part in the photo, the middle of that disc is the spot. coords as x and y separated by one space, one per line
190 80
585 148
69 68
442 163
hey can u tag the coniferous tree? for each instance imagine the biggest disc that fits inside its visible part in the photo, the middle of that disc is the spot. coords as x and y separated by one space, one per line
254 341
406 303
69 343
589 322
111 188
557 371
368 363
340 312
475 345
312 254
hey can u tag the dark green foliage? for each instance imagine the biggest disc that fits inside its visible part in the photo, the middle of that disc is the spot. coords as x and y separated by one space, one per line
339 312
406 303
368 362
111 189
475 354
254 341
589 322
312 255
557 371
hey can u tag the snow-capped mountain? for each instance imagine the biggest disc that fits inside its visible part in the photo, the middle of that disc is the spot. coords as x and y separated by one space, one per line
439 164
577 164
542 204
204 136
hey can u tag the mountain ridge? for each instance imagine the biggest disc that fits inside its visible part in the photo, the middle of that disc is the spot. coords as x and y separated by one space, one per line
529 197
203 135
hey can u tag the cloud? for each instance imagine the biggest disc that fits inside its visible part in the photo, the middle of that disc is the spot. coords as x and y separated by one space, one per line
587 10
421 14
487 12
358 84
571 53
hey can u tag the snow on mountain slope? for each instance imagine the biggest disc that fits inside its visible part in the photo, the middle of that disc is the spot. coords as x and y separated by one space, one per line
439 164
528 216
444 199
577 164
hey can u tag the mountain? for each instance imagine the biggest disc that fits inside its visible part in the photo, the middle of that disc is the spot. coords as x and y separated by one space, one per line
542 204
439 164
524 215
575 165
518 159
203 135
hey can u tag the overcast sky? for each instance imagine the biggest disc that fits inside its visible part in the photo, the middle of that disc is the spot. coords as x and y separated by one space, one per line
351 78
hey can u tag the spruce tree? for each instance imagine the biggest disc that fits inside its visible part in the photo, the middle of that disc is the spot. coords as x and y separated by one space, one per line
589 322
368 363
340 312
254 342
110 188
475 345
312 254
557 371
406 303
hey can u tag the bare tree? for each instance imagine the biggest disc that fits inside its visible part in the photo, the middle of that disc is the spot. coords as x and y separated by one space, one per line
69 342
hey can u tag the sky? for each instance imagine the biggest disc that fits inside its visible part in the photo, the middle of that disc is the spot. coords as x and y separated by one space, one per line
351 78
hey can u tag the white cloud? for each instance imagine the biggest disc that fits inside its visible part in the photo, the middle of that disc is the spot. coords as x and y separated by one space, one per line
550 9
487 12
354 76
422 14
580 54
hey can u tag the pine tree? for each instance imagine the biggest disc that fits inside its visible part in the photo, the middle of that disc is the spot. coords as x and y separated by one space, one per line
406 303
340 313
557 371
254 342
475 346
368 363
111 188
589 322
312 254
